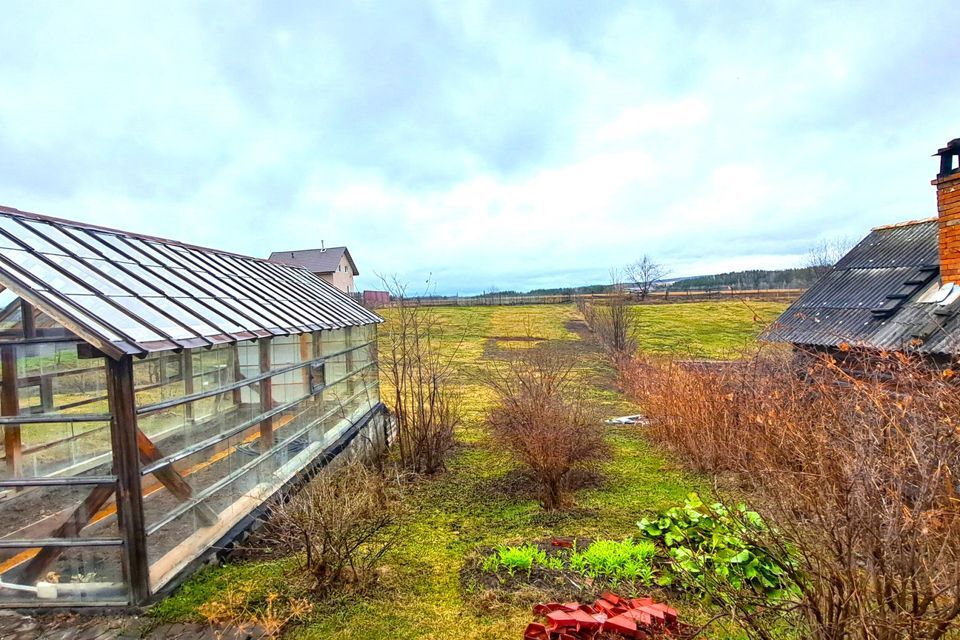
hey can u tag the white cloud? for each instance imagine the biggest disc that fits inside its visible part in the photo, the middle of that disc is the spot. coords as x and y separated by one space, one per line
488 143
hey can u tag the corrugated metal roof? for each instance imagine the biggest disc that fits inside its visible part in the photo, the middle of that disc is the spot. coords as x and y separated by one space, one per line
316 260
870 298
133 294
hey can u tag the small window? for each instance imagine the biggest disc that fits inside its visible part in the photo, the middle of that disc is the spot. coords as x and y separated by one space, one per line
318 378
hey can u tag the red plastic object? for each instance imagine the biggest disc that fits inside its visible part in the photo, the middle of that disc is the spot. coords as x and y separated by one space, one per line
559 619
621 624
562 543
611 616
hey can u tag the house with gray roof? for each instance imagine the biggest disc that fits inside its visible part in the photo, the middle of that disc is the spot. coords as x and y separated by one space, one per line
332 264
898 289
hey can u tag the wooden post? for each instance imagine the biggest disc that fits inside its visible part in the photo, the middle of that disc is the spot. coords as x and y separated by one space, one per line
234 362
10 406
304 356
266 396
27 320
188 388
348 343
124 435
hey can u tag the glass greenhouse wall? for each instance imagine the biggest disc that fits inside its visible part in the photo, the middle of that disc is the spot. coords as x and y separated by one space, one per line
155 396
218 432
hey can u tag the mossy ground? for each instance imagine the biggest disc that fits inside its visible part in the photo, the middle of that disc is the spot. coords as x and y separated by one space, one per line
466 508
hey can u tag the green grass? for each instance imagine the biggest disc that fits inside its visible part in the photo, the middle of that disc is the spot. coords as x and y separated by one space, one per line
703 329
464 509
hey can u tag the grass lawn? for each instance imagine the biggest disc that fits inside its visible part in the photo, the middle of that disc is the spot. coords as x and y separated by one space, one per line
703 329
467 508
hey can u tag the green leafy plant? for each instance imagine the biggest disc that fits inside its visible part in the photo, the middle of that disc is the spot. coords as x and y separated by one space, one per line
625 561
520 558
710 542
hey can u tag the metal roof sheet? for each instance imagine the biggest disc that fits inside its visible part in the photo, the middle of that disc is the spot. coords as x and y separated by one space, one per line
316 260
132 294
870 298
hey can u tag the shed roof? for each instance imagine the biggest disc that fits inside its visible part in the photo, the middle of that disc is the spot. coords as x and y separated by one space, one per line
133 294
874 297
316 260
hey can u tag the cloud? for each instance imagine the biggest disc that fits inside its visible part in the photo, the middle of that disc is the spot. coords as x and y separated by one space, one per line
481 144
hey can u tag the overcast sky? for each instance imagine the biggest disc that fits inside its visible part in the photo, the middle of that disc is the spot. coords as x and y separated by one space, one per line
480 144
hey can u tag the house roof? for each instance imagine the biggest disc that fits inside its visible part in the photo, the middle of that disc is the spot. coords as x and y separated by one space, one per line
128 293
879 295
316 260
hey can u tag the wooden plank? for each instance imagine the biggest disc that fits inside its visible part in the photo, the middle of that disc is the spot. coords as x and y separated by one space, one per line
188 386
27 319
347 341
266 396
41 563
170 479
234 362
305 356
10 406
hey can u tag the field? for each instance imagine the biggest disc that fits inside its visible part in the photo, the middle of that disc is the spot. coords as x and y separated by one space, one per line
702 329
476 503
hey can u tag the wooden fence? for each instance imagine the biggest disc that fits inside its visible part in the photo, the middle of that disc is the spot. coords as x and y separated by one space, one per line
658 297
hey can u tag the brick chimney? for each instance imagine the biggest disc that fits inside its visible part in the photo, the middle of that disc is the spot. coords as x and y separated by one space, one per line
948 211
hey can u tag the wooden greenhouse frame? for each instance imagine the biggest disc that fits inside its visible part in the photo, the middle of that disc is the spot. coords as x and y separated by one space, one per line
155 397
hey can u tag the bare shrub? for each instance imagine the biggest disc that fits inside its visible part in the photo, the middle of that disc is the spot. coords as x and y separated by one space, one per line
859 474
611 321
614 327
342 522
419 384
543 419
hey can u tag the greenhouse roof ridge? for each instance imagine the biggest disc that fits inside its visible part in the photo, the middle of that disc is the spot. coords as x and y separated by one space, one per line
129 293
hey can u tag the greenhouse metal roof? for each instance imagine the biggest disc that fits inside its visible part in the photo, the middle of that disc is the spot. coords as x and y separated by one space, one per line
127 293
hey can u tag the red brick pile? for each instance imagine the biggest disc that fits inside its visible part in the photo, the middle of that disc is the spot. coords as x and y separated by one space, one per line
609 617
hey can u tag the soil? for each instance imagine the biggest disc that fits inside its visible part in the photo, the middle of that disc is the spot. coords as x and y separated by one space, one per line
543 585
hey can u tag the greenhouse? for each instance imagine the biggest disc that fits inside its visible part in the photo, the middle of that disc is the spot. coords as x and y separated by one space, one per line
155 397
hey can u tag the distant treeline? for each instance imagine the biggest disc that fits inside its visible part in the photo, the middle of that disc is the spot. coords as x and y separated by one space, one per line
753 279
734 280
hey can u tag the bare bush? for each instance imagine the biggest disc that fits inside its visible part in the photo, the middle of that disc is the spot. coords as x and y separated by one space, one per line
611 321
419 385
858 473
543 419
342 522
614 326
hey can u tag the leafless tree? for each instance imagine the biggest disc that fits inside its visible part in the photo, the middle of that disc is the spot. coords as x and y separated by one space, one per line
826 253
645 273
418 382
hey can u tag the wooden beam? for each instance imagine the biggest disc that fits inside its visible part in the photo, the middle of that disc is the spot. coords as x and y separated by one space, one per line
10 406
266 396
347 343
305 355
188 387
27 320
71 528
172 480
233 358
124 432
